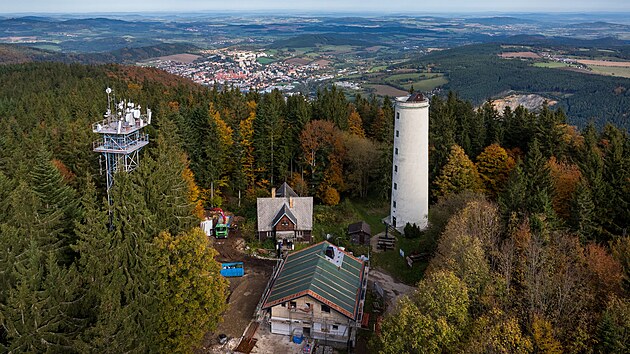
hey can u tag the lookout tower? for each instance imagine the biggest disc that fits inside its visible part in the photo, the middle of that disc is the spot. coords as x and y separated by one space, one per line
410 174
121 137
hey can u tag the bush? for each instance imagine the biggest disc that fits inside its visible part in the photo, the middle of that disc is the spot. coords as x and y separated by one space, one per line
412 231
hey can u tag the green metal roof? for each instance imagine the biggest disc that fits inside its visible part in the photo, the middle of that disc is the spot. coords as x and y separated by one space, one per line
311 272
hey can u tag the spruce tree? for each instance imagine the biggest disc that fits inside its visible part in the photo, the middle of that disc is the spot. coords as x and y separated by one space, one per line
58 201
161 177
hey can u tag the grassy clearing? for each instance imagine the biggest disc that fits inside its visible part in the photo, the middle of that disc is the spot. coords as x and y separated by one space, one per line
394 264
376 69
611 71
386 90
334 220
550 64
427 85
264 60
421 81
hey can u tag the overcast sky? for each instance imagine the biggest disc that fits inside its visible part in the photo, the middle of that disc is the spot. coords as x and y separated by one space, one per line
418 6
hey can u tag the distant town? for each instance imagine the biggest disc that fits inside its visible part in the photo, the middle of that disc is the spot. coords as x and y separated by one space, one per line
251 70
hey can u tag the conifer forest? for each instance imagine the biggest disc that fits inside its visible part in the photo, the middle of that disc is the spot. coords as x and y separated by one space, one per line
528 232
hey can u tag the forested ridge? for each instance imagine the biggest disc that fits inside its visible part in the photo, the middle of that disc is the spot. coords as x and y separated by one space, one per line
528 222
477 73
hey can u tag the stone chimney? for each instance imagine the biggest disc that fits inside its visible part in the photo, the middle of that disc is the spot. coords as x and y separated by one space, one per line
273 192
290 202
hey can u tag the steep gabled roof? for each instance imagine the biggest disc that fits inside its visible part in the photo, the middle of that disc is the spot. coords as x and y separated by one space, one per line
284 211
286 191
333 282
268 208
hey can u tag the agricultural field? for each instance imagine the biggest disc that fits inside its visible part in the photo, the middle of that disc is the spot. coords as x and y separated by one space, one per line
264 60
420 81
611 70
386 90
551 64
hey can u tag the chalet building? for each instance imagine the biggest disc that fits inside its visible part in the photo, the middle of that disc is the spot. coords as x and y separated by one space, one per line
360 233
285 216
318 292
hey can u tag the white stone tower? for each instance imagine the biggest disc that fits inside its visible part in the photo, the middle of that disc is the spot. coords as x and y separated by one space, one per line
410 173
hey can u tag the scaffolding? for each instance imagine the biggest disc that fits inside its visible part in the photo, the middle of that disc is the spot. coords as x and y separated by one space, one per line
121 138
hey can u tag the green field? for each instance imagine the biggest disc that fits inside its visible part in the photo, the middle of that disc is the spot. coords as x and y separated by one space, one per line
420 81
611 70
376 69
264 60
550 64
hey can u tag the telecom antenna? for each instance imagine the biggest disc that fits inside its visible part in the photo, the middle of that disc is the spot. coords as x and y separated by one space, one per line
121 137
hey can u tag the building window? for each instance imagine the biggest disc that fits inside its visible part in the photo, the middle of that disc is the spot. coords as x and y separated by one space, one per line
396 151
325 308
394 203
284 304
395 168
284 223
397 115
395 186
292 304
397 133
335 327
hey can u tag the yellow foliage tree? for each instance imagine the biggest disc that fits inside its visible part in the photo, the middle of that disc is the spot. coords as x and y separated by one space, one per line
246 129
355 124
194 192
330 196
544 339
494 166
458 174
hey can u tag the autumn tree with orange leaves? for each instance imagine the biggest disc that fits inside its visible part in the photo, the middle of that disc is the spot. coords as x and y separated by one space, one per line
494 165
323 152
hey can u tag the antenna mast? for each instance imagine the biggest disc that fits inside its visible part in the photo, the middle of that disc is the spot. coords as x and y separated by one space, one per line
121 138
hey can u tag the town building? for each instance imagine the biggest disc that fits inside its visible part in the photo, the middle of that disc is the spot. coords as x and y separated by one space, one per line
285 216
410 170
318 292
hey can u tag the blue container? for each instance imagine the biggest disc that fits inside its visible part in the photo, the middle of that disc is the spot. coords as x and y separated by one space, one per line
232 269
298 340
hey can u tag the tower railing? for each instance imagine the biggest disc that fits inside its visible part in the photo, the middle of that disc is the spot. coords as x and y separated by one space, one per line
120 143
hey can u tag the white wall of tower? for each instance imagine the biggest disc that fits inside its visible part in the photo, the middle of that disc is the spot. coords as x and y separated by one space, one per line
410 170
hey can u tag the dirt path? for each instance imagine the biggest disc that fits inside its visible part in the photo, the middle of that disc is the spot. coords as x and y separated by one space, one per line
393 289
245 291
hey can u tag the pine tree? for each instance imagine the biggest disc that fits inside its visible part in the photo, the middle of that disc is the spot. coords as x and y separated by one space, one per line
36 311
513 198
58 201
538 177
161 177
123 280
583 220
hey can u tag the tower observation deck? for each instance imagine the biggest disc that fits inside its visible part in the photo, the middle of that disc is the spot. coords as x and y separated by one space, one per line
121 137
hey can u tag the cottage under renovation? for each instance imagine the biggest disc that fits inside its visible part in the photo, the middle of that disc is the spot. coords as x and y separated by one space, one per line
317 292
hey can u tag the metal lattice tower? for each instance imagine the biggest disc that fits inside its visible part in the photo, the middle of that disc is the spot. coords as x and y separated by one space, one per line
121 138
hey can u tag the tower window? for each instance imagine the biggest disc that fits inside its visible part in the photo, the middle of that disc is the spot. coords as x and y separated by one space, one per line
397 133
397 115
396 151
394 204
396 186
395 168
